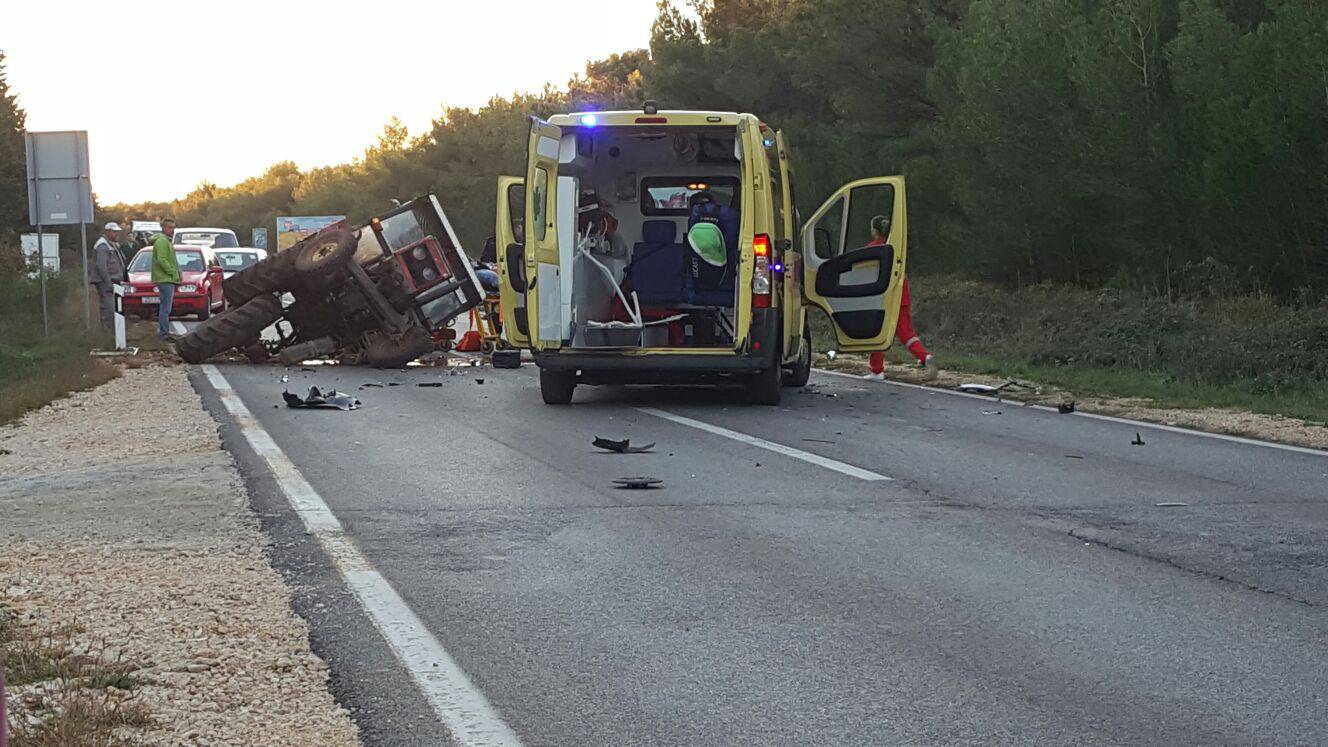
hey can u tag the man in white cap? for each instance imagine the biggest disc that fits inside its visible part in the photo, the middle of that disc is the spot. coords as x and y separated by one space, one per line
108 269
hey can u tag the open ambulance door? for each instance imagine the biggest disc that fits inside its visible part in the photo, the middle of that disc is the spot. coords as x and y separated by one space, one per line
786 228
858 286
512 259
543 275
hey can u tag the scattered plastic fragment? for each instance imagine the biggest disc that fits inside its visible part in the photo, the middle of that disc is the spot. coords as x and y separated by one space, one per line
1171 504
638 483
992 412
1138 439
332 399
479 381
430 383
621 447
1065 408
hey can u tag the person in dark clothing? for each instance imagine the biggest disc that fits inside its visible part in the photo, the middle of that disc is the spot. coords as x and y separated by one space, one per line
108 269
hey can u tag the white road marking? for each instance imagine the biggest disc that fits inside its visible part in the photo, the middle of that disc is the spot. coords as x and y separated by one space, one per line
1095 416
761 443
461 706
179 328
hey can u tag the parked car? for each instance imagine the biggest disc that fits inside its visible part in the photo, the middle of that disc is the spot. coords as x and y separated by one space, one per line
234 260
199 293
217 238
380 294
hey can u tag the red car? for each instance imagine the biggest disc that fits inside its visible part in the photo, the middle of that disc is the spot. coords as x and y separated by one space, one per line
199 292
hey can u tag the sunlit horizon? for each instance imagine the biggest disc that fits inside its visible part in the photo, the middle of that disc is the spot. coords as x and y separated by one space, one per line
198 103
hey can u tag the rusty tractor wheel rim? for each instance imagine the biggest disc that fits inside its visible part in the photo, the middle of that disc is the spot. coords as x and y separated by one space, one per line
324 251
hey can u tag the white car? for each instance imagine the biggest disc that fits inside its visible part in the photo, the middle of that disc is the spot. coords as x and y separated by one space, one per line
217 238
234 260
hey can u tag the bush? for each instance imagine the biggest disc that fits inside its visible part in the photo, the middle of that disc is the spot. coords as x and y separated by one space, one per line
1248 342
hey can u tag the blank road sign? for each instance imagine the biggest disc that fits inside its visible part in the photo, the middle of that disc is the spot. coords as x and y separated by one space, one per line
59 186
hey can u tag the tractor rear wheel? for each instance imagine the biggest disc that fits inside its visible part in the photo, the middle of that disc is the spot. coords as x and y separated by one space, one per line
230 329
270 275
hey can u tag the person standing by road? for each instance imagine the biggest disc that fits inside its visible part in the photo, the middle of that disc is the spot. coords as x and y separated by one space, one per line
108 269
904 331
166 275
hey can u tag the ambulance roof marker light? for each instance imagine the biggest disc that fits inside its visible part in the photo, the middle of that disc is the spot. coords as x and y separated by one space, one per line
589 120
650 107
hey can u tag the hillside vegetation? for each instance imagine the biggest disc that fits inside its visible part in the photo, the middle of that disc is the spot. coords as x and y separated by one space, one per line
1078 141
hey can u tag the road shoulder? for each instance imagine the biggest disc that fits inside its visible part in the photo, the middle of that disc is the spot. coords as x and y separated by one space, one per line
128 547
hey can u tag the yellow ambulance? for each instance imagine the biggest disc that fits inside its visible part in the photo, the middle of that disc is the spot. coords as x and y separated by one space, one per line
664 247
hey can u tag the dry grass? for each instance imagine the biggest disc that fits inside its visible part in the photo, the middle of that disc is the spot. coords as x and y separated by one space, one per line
57 698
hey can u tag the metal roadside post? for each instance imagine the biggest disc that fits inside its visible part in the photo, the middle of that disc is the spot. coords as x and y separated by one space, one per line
60 194
120 342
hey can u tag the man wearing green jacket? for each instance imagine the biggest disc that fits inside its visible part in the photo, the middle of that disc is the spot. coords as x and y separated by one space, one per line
166 275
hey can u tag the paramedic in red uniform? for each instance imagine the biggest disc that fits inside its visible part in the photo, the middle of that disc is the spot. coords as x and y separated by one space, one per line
880 228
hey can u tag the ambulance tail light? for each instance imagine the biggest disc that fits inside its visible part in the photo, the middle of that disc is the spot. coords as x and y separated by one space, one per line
761 272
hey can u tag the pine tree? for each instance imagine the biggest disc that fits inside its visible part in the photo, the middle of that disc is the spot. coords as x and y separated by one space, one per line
13 163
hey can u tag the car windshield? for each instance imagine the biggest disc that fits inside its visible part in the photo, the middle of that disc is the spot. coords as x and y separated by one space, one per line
189 261
235 261
214 239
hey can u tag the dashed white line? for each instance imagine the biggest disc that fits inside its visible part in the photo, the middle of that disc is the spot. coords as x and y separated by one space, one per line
761 443
461 706
1096 416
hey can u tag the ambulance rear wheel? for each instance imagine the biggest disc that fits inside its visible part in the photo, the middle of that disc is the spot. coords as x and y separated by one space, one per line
556 387
799 373
764 388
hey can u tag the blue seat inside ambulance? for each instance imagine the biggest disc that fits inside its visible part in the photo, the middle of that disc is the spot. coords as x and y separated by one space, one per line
659 264
705 284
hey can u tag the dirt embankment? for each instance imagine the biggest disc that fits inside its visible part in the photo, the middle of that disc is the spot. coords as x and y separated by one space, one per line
136 598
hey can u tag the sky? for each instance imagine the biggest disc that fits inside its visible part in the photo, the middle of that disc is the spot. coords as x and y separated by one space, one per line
175 93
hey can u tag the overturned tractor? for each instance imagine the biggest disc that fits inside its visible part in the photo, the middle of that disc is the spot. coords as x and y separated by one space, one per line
379 295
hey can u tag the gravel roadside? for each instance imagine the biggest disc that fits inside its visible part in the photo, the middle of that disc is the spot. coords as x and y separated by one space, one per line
1275 428
125 528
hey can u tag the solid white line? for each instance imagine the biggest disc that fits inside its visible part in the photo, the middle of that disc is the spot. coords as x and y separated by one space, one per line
461 706
760 443
1095 416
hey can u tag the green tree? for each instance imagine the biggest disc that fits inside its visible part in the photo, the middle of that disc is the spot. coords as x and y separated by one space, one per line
13 163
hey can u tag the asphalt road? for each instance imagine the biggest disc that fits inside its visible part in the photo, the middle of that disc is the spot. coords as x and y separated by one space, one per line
1015 580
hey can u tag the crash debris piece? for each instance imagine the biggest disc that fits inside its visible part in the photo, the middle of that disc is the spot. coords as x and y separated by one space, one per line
1171 504
316 399
430 384
621 447
1065 408
1138 439
638 483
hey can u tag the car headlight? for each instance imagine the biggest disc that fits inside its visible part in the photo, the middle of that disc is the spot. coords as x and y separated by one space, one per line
188 288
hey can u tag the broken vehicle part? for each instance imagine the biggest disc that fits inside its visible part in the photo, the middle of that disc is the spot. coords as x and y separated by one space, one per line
638 483
621 447
506 358
316 399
